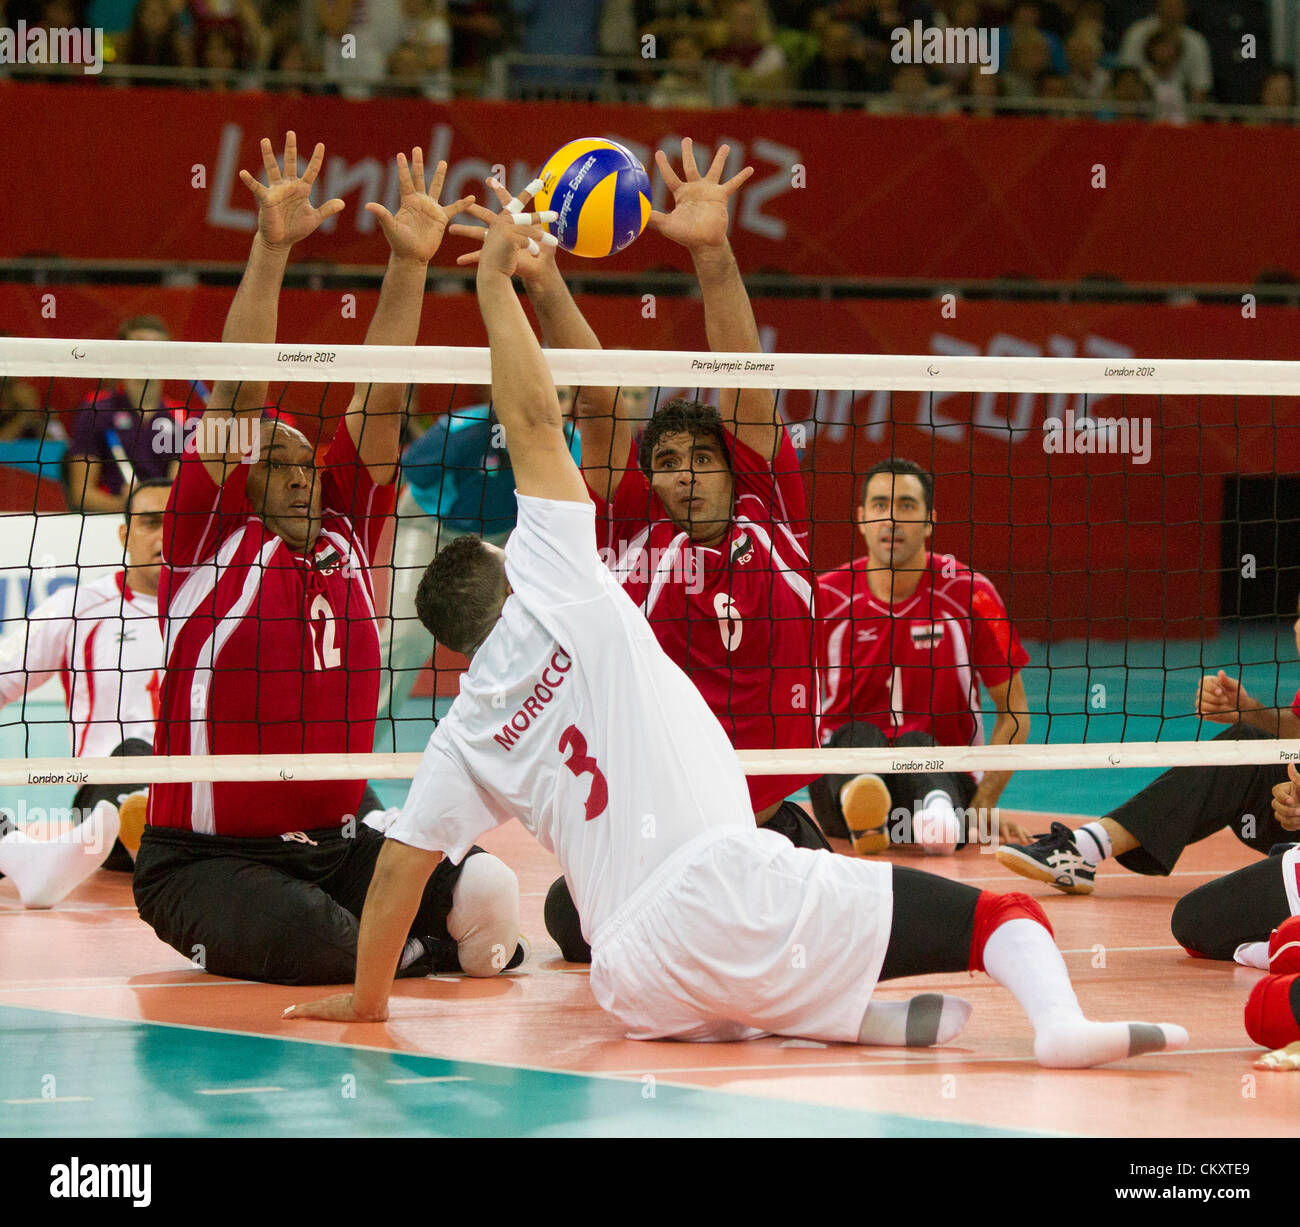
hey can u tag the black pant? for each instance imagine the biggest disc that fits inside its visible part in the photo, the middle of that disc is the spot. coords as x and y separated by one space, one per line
1245 906
278 911
933 925
1188 804
906 791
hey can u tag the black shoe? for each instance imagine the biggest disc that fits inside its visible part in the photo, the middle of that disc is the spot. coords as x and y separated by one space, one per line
1054 859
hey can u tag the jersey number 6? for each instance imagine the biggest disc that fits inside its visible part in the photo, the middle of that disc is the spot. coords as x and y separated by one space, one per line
581 763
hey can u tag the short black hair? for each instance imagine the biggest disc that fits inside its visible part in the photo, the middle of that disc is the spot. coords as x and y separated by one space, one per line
906 468
152 483
681 417
142 323
460 595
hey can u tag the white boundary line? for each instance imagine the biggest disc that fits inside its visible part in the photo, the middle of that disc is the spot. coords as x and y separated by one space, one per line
441 364
184 769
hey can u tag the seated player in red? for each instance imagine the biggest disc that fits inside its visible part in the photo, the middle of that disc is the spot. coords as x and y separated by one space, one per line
614 761
705 522
272 648
1147 834
904 635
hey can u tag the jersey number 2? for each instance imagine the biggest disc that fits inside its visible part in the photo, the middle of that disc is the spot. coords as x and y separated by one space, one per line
327 656
581 763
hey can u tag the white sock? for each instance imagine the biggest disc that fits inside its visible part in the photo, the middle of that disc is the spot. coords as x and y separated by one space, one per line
937 827
413 950
1021 956
47 871
1099 849
919 1022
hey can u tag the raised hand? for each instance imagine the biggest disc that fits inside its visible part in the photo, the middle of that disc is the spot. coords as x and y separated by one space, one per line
1222 699
528 267
698 220
512 236
415 231
285 213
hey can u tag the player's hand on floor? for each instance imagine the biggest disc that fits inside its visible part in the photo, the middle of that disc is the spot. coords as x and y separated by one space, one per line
1285 1060
698 219
1286 800
1010 832
529 268
285 213
339 1008
415 231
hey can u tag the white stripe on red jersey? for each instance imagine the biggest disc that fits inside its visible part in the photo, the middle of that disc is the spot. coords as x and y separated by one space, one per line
737 616
913 666
103 642
268 651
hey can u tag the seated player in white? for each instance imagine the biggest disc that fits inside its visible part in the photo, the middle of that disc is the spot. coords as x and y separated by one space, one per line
573 719
101 639
905 634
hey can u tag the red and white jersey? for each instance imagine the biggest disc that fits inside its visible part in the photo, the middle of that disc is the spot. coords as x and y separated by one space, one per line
572 719
268 651
914 665
736 616
102 641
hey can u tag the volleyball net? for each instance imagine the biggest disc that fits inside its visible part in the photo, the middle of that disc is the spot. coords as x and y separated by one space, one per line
1134 522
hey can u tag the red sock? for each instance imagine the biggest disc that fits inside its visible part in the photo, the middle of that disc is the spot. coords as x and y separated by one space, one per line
1284 948
1273 1011
992 911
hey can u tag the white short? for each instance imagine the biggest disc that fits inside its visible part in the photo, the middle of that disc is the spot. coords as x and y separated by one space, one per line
740 934
1291 879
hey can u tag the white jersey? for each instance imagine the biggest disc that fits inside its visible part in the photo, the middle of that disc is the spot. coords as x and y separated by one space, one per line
573 719
103 642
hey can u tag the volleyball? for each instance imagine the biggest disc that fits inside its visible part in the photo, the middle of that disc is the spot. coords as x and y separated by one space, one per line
601 192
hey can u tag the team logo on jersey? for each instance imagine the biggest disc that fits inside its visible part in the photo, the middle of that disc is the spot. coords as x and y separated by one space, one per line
328 562
927 634
742 550
867 634
125 636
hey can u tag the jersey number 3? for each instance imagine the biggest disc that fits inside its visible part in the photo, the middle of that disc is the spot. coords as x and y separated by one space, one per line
581 763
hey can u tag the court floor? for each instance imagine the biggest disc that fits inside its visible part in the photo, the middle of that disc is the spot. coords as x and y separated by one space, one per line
110 1033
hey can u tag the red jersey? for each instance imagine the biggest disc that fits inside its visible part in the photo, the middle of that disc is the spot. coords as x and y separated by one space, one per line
268 651
737 616
913 666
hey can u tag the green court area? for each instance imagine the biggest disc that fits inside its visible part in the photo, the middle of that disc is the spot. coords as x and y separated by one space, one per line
67 1075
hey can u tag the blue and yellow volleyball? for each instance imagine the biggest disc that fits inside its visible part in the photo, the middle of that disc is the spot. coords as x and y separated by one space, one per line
601 192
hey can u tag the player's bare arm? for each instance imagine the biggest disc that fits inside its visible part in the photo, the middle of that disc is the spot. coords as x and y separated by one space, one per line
523 394
392 900
414 234
1010 728
606 437
285 216
698 221
1224 700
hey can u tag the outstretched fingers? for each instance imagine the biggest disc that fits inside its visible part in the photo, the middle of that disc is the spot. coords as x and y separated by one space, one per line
313 167
290 155
666 169
269 162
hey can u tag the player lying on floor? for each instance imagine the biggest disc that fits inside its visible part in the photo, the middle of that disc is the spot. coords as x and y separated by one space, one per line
272 648
1147 834
102 638
574 720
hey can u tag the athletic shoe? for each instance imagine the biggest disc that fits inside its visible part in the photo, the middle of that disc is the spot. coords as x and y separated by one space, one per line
1054 859
1284 948
523 951
865 803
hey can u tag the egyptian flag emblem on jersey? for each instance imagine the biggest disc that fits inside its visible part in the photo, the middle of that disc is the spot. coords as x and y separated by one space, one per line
927 634
742 550
326 561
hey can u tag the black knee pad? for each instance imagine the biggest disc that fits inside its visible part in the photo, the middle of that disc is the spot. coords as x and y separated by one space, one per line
563 924
792 822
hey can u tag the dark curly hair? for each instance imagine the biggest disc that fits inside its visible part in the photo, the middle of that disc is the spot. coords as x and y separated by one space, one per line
461 593
681 417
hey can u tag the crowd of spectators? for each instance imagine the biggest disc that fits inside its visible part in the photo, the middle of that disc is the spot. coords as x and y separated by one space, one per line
1166 54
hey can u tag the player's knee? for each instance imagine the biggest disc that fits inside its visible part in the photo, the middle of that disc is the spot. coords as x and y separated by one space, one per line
992 911
484 917
1194 929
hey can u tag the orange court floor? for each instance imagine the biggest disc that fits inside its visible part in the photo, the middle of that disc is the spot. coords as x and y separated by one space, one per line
111 1033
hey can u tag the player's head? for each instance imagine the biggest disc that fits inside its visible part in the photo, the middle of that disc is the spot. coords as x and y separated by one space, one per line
895 514
461 593
283 485
684 454
141 534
